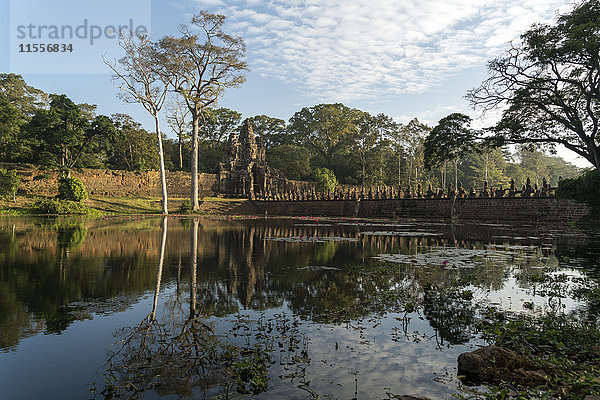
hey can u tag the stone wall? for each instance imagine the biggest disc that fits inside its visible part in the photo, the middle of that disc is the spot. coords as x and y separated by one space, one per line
533 209
123 183
115 183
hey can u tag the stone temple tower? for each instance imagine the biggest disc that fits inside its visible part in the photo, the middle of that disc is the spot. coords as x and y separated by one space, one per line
246 174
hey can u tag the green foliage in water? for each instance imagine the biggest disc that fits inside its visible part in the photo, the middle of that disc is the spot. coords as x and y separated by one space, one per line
250 372
72 189
72 238
565 349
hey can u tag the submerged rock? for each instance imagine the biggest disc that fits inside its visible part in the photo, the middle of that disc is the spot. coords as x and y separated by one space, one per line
494 363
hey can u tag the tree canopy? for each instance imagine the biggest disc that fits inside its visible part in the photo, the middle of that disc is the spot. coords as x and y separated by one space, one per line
450 139
548 85
66 129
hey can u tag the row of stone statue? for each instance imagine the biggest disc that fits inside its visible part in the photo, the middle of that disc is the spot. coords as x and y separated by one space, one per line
387 192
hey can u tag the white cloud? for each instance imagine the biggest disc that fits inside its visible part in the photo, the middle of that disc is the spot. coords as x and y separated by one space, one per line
348 50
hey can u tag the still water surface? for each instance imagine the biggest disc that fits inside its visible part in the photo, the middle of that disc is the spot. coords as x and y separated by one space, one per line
341 308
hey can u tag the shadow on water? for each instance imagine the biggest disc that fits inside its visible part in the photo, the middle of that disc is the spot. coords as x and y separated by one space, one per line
272 305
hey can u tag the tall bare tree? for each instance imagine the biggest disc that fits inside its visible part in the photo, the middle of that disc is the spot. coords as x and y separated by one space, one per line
135 74
178 112
200 65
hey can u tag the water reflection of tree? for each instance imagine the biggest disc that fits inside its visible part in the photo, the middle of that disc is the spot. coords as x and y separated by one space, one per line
451 313
15 321
62 284
71 237
172 356
179 354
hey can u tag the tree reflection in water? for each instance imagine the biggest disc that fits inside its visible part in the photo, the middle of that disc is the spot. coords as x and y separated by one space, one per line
172 356
180 353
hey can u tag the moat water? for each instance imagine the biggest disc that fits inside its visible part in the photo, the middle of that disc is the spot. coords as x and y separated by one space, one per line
336 308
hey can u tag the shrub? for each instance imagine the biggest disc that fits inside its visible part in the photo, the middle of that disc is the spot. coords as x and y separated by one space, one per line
185 207
61 207
72 189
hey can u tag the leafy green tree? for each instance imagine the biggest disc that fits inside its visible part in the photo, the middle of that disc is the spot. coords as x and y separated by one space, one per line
293 161
585 189
23 97
211 155
325 129
177 120
272 130
218 124
100 130
200 66
371 143
538 166
326 180
18 101
449 140
407 142
11 135
131 147
65 130
487 164
366 140
515 171
548 85
559 169
9 183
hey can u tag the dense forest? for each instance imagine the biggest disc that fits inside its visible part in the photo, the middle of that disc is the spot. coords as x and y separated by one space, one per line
51 131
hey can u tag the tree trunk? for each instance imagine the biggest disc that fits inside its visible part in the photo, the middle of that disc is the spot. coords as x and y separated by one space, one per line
399 171
444 173
180 152
63 155
364 169
131 161
455 173
486 165
194 194
161 160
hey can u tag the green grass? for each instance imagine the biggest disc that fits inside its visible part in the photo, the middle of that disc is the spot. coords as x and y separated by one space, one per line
117 205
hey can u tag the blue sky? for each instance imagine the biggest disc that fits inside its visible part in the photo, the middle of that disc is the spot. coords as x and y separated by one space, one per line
406 59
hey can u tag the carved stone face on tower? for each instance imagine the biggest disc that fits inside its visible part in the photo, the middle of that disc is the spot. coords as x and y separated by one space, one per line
247 142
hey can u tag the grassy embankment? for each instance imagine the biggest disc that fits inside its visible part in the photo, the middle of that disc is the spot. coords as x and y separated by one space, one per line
127 205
